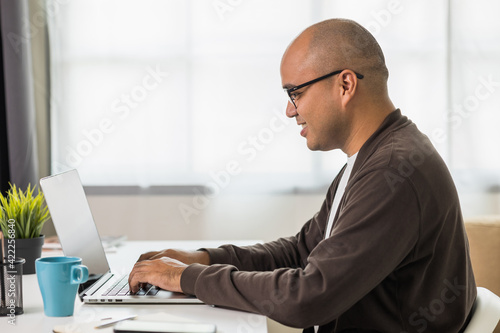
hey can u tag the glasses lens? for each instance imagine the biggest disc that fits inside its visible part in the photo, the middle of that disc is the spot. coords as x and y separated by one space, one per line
290 99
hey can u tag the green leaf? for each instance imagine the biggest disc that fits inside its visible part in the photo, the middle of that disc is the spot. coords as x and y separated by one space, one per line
28 211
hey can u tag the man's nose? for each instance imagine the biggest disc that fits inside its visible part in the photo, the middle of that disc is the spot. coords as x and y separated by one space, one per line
291 111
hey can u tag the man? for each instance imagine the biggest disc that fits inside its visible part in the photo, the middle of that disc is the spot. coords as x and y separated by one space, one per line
387 252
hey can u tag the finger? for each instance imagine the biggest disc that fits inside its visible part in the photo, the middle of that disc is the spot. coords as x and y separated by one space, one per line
136 281
147 255
134 278
140 286
157 256
131 286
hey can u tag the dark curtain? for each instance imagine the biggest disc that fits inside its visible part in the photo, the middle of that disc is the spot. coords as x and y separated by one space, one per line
4 151
18 153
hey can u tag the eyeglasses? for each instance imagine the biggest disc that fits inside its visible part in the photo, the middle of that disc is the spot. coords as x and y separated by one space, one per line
291 90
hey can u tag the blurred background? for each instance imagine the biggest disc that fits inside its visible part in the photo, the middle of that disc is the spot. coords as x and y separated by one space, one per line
173 112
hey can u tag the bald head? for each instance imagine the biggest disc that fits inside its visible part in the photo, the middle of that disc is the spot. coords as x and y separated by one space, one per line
344 44
339 111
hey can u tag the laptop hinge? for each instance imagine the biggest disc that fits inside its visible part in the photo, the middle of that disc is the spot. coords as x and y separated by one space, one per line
94 282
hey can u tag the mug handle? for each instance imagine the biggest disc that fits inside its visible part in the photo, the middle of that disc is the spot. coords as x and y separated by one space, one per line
79 274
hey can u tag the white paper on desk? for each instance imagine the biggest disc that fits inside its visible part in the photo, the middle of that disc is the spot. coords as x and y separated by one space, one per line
90 326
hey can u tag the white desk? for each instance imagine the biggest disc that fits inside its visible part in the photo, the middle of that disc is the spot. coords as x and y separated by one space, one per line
227 321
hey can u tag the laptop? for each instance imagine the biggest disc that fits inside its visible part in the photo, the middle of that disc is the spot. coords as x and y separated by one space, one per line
79 237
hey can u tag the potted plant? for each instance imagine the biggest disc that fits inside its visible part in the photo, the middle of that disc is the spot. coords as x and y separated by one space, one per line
22 216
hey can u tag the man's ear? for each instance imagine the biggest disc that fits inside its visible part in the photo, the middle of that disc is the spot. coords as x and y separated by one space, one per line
349 85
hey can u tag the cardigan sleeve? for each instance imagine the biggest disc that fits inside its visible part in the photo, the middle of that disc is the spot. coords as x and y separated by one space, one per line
284 252
375 230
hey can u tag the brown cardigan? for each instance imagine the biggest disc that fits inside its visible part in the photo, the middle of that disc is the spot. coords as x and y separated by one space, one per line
397 259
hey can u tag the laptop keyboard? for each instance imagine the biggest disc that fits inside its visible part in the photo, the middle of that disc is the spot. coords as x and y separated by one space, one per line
121 288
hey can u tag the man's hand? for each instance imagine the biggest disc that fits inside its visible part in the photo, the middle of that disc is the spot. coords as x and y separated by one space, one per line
187 257
162 272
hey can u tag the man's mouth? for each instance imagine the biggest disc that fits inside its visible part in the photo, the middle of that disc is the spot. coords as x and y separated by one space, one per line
304 129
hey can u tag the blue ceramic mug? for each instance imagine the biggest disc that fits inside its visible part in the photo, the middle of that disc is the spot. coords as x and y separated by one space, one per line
58 279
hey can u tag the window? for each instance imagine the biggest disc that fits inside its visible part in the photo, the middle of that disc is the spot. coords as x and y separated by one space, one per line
155 92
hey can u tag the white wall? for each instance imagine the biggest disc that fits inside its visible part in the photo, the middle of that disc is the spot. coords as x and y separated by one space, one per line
227 217
479 204
264 217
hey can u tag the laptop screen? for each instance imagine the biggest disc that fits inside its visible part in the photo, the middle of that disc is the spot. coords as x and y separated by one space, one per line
73 220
